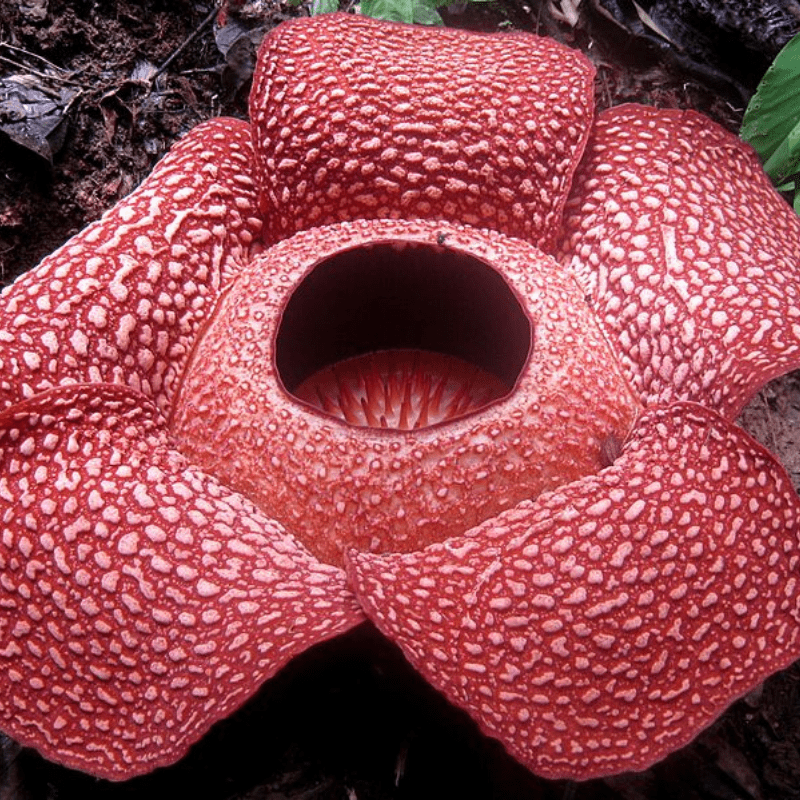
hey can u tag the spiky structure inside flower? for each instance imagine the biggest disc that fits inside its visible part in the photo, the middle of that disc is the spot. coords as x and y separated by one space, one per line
400 389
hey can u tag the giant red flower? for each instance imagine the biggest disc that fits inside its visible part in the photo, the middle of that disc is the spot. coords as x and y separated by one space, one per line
427 341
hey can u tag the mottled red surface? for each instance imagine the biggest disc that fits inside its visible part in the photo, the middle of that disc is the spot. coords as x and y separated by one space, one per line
602 626
688 255
142 599
122 302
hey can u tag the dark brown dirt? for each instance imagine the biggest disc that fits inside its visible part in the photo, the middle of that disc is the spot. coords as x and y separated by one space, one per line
118 126
350 720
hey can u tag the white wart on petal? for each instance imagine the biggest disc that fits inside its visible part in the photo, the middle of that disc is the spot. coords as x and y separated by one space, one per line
140 600
689 256
604 625
122 301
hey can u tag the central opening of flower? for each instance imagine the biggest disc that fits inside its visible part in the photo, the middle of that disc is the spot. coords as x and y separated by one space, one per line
401 335
361 319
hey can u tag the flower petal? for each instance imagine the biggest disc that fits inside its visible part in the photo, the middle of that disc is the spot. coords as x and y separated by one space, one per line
140 600
122 301
690 256
357 118
604 625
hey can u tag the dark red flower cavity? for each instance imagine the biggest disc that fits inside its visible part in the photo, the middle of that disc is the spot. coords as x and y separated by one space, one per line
357 118
402 335
473 297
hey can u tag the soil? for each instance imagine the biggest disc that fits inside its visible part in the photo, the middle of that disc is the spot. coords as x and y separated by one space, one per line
349 719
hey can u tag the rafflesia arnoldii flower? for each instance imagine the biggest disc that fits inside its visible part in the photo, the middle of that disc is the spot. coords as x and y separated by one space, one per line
427 341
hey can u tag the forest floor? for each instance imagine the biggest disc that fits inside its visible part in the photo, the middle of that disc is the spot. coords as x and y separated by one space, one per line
113 85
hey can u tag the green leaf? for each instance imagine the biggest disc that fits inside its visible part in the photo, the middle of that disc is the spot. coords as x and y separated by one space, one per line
396 10
772 119
426 14
323 7
422 12
785 160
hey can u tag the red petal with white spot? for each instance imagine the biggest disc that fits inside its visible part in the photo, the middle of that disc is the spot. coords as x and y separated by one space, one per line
140 600
604 625
122 301
690 257
358 118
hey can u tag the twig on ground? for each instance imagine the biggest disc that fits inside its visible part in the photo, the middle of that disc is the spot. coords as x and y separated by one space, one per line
189 39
